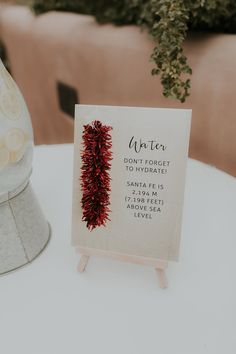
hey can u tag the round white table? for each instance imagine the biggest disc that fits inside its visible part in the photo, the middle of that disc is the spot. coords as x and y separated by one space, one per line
118 308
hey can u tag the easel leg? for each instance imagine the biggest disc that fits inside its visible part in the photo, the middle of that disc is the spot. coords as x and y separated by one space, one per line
162 278
83 263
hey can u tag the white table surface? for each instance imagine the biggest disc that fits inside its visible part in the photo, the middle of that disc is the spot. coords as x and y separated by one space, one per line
118 308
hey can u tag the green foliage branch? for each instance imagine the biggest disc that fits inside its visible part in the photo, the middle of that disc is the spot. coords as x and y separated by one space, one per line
167 21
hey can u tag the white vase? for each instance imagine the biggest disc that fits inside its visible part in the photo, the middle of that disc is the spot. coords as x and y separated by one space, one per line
24 231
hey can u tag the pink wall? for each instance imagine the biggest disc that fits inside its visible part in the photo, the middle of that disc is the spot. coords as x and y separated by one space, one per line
110 65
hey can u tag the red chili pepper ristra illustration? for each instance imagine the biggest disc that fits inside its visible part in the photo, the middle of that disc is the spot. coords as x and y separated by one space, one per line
95 178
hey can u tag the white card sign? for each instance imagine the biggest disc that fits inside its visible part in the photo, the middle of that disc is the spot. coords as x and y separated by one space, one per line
145 182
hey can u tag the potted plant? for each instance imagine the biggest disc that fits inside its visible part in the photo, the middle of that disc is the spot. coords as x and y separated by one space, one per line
109 65
167 21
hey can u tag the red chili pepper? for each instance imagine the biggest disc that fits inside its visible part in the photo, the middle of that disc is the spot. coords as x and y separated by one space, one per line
95 177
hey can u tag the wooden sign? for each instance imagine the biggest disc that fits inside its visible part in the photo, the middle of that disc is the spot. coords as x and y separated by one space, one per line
129 179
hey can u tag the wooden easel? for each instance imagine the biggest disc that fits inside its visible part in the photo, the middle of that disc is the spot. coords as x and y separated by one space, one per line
159 265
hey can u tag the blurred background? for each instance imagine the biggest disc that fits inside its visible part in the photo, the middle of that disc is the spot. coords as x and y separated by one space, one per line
62 58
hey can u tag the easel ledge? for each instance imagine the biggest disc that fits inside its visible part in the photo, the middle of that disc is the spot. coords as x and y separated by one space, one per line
159 265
